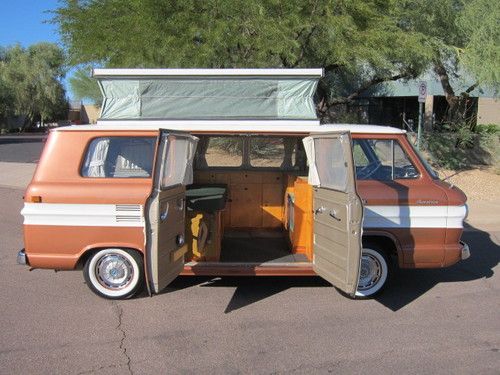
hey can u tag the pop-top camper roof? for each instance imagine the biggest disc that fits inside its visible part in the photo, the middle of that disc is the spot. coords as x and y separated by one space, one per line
208 94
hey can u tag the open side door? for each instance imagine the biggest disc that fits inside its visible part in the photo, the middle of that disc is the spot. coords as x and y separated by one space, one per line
338 211
166 207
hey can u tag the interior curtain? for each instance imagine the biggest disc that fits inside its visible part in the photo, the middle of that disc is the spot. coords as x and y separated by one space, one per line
191 150
313 177
98 158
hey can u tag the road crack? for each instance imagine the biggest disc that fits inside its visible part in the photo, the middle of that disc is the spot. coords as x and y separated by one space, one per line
119 327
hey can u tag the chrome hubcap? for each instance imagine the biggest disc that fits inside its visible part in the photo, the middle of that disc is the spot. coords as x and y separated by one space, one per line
370 273
114 271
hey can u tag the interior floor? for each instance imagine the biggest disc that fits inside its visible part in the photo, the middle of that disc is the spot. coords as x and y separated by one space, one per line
257 247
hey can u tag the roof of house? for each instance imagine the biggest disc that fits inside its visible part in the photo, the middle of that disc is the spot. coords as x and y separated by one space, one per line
460 83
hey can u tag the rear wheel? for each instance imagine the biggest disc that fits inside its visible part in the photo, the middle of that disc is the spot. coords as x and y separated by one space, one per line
374 273
114 273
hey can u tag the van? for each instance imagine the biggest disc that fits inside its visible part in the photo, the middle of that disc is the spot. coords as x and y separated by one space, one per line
141 198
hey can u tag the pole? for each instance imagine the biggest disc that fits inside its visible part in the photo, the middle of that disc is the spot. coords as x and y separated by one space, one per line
420 118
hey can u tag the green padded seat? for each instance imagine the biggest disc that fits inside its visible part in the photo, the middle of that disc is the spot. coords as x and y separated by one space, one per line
206 197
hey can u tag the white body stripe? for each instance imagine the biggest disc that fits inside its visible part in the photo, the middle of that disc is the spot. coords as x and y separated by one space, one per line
95 215
414 216
130 215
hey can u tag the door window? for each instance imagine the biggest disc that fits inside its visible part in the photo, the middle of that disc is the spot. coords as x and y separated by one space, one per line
178 161
382 159
328 161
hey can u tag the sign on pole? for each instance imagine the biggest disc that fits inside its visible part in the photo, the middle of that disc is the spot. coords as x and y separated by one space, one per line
422 91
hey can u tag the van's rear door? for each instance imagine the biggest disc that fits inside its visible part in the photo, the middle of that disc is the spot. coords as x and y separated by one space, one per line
165 210
338 211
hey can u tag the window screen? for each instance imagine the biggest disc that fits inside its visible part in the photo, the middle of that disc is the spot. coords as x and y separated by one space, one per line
331 163
178 161
119 157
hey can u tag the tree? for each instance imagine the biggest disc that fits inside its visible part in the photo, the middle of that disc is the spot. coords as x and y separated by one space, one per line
359 38
481 53
359 43
462 36
32 78
85 87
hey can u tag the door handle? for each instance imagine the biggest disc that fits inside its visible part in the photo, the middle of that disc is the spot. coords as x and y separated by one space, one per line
319 210
164 212
333 214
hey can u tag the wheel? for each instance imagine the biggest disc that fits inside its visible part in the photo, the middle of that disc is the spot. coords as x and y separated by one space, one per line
114 273
374 273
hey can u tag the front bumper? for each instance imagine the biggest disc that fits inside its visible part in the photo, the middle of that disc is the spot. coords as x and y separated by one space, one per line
22 258
465 250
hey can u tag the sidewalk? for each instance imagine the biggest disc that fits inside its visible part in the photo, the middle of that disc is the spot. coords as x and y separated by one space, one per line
484 215
16 175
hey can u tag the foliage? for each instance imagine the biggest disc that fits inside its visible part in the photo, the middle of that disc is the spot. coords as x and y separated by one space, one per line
359 43
30 82
458 146
230 145
85 87
361 39
481 53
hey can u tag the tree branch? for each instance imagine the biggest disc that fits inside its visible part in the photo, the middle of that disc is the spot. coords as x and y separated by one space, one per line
374 81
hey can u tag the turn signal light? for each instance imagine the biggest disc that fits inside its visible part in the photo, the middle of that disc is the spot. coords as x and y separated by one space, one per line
36 199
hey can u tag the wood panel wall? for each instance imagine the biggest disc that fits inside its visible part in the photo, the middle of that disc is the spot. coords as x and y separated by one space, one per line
255 198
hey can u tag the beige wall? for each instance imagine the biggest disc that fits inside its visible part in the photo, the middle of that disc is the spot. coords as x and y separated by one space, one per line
488 111
89 113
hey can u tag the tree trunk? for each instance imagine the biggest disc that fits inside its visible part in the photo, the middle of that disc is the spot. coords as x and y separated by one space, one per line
449 93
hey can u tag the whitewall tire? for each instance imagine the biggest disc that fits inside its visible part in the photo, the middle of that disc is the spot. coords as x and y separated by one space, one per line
114 273
374 273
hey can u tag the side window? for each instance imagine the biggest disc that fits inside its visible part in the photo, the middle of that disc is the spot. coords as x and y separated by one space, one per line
382 159
119 157
331 163
178 162
219 152
277 152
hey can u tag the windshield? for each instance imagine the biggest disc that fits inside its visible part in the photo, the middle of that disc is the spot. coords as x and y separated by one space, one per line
425 163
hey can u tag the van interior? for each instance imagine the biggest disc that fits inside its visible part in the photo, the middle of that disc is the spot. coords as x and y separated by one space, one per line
250 201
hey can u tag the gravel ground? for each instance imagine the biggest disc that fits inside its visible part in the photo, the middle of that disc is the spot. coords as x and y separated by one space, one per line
477 184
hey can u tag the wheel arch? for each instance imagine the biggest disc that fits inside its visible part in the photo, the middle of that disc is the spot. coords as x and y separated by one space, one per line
91 250
387 242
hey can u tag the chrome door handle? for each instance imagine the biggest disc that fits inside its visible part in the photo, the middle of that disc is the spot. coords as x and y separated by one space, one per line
164 212
319 210
333 214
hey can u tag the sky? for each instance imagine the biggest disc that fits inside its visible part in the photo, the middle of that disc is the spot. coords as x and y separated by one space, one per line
25 22
22 21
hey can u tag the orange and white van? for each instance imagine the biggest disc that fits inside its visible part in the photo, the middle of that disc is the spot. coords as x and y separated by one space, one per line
144 196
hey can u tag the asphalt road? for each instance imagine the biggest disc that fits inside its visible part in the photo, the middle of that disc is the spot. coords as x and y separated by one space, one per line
21 148
428 322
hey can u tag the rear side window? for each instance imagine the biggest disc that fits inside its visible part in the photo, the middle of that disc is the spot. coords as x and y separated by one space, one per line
119 157
219 152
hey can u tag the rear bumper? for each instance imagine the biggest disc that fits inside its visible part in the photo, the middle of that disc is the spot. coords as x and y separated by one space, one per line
22 258
465 250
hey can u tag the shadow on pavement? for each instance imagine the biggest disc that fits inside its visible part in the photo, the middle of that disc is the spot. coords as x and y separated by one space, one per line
410 284
407 284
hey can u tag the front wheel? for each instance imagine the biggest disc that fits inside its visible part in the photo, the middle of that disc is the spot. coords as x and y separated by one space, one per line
374 273
114 273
